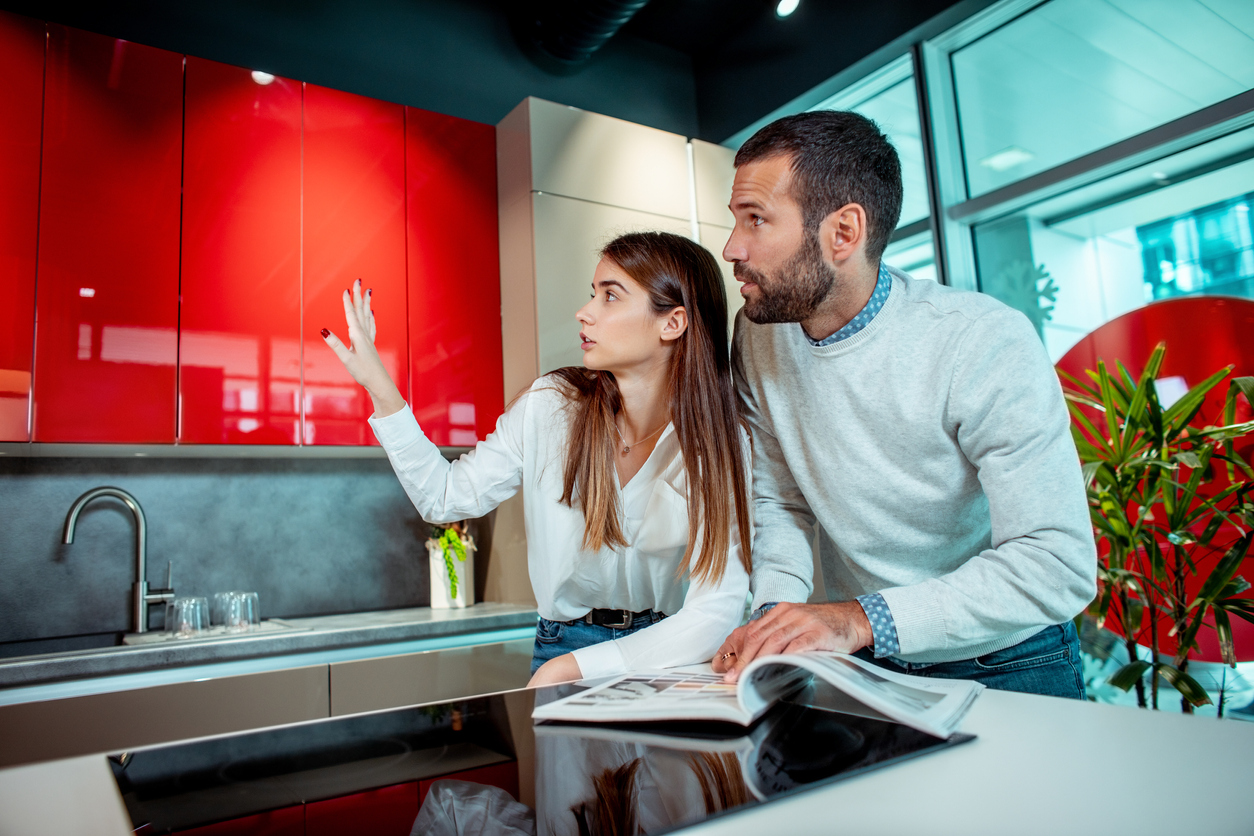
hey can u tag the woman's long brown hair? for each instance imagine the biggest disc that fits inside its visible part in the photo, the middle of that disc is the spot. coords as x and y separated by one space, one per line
674 271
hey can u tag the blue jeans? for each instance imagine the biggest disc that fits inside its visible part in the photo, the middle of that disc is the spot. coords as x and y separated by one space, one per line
553 638
1047 663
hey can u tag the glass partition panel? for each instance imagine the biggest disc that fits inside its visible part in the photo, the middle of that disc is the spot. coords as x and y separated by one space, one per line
914 255
1073 76
1177 227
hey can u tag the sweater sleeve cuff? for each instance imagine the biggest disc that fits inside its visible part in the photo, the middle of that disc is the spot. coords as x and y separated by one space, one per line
598 660
397 430
776 587
918 617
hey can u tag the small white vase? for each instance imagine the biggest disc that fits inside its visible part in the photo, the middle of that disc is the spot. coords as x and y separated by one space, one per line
442 596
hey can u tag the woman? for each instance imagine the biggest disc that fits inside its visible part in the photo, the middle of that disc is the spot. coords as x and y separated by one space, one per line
614 520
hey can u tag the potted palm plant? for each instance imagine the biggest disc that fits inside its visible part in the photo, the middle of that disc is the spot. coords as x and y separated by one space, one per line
1172 506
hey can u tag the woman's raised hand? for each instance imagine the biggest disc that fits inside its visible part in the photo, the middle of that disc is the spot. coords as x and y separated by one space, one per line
360 358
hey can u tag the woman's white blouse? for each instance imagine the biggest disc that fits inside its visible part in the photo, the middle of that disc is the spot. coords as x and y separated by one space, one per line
528 451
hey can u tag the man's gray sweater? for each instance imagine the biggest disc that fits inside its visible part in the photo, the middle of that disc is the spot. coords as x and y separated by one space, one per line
933 450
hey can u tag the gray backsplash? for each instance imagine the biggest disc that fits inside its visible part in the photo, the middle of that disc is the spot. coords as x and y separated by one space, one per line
310 536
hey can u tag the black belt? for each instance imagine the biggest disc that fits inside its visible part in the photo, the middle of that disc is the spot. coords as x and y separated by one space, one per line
620 619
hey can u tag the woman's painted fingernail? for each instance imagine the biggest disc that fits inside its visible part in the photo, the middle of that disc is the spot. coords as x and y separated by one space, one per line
370 292
325 333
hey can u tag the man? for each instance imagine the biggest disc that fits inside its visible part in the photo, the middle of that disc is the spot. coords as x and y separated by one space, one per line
921 428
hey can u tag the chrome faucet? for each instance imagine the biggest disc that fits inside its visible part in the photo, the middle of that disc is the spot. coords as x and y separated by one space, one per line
141 596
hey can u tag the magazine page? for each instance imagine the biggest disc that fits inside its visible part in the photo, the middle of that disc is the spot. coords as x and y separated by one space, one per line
931 705
661 695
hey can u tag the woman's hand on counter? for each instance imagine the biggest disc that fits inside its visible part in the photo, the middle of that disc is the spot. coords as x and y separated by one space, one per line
562 669
360 357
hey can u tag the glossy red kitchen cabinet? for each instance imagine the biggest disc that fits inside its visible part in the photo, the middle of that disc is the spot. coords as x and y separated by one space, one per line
239 340
107 301
454 277
389 811
354 211
288 821
503 775
22 43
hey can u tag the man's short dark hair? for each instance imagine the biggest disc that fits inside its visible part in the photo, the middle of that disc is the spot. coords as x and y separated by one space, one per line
838 157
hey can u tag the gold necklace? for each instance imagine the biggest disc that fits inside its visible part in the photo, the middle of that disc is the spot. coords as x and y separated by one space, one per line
627 447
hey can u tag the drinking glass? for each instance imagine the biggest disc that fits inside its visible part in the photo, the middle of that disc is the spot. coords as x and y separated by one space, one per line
217 614
187 617
243 614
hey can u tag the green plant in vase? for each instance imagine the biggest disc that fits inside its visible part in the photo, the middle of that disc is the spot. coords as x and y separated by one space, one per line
452 541
1170 502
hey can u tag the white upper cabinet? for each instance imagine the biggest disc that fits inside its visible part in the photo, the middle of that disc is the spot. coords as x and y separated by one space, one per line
601 159
713 172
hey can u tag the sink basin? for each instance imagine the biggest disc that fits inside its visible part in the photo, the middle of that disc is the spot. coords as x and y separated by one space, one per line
266 628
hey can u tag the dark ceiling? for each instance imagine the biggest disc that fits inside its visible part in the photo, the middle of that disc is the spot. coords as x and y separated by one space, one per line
747 61
696 27
705 68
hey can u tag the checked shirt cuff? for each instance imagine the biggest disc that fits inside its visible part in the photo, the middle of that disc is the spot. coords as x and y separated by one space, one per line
883 628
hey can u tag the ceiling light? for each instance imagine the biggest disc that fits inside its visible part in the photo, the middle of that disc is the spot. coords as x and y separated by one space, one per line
786 7
262 78
1007 158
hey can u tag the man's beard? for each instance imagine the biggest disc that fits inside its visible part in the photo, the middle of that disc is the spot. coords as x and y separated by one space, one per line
795 291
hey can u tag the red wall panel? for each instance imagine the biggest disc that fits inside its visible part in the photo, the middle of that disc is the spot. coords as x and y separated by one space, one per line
354 216
21 102
239 342
107 306
454 276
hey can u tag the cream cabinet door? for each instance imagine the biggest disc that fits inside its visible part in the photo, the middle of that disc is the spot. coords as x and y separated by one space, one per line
594 157
121 720
431 676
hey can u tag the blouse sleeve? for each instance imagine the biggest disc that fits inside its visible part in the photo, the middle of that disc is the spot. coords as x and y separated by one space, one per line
711 610
471 486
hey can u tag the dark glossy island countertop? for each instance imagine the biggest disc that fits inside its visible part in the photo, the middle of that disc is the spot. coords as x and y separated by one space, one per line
1038 765
282 637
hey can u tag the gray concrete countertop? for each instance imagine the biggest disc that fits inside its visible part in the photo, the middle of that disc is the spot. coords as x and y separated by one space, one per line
301 635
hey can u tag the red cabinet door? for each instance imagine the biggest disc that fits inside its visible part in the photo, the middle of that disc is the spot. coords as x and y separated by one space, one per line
21 101
454 277
389 811
107 302
354 227
239 338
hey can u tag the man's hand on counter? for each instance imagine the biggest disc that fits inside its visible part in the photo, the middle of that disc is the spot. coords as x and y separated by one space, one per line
562 669
793 628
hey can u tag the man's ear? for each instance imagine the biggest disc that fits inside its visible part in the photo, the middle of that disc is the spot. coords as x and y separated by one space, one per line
843 233
674 324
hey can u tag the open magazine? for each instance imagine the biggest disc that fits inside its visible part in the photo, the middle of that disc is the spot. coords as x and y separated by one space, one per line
934 706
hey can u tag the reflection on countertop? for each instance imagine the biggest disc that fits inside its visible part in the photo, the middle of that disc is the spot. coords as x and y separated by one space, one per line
301 635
